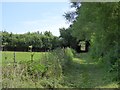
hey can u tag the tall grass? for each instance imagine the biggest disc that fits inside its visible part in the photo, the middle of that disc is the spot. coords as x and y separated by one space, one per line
55 69
69 55
46 72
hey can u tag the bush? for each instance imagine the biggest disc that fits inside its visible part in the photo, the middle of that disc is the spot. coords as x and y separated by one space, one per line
50 66
73 51
65 56
51 61
69 55
35 69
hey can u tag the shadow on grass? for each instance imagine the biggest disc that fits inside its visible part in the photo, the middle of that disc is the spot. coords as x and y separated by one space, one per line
86 75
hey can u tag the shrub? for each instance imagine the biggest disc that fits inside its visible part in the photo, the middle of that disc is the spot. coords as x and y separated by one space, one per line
60 54
69 55
35 69
52 62
65 56
73 51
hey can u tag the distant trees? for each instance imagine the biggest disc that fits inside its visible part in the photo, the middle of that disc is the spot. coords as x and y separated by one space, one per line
39 41
21 42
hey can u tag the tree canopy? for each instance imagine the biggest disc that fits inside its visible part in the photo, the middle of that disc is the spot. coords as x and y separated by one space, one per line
21 42
99 23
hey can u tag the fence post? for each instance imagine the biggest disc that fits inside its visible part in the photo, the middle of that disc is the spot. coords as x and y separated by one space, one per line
32 54
14 58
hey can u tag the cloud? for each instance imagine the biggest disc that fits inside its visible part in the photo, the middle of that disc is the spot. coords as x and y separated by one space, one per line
50 23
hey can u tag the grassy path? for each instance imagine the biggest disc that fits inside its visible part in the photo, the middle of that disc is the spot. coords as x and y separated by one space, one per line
88 75
80 74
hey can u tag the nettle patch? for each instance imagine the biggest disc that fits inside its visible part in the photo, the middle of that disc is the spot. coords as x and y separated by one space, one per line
49 67
36 69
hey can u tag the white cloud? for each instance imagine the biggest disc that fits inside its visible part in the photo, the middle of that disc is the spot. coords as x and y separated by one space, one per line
46 24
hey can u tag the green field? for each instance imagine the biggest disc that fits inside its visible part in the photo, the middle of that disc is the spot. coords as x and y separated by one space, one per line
80 74
8 56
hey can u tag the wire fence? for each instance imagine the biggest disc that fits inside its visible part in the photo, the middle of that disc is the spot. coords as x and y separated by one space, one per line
15 57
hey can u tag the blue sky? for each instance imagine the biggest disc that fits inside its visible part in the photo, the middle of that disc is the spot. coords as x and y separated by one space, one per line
21 17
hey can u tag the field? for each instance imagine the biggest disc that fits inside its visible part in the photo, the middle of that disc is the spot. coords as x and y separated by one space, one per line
79 74
20 56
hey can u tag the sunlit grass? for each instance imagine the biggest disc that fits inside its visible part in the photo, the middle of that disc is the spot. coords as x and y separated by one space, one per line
86 74
111 85
81 73
8 56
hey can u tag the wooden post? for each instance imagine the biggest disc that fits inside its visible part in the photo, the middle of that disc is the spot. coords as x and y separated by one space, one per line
14 58
30 47
31 56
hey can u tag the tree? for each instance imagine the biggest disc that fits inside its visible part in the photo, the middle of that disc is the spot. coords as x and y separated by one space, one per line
67 39
39 41
98 22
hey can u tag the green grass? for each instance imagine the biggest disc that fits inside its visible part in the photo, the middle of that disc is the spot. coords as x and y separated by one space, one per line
20 56
85 74
81 73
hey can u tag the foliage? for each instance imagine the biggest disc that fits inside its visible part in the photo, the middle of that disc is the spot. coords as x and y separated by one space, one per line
35 68
69 55
48 72
67 38
38 41
52 62
21 42
65 56
97 22
100 27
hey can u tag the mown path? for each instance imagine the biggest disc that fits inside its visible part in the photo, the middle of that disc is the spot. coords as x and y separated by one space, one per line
88 75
